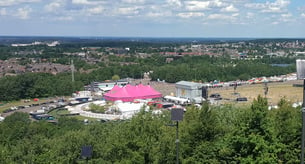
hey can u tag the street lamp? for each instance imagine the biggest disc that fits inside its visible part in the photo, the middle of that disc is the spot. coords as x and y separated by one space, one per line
303 133
86 152
266 89
177 115
303 124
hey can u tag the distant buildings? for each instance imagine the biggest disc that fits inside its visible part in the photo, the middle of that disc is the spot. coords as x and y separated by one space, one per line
12 67
52 44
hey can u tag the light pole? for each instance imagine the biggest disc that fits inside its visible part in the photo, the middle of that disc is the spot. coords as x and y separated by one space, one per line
303 125
266 89
177 115
86 152
303 134
177 142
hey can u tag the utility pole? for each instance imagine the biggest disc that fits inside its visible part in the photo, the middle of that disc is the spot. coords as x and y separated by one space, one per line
303 124
72 70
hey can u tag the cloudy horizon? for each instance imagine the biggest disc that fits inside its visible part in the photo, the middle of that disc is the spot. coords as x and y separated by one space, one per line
154 18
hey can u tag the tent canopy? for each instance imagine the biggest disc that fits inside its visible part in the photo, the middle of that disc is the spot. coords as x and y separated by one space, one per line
129 92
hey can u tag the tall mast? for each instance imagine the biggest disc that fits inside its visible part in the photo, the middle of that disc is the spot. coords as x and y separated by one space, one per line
72 70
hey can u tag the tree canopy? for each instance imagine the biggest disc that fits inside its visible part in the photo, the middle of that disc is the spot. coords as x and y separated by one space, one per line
210 134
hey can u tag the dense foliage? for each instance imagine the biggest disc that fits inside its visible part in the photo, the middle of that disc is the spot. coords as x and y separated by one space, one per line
31 85
205 69
208 135
189 68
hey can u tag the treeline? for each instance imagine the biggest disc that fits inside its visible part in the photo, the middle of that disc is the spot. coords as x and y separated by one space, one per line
201 68
206 69
35 85
31 85
208 135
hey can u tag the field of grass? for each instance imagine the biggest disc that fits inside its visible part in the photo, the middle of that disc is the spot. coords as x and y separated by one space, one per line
276 91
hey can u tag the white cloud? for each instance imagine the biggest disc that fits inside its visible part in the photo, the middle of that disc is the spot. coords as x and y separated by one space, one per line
275 23
190 14
249 15
23 13
303 15
235 15
87 2
222 17
154 14
175 3
64 18
217 16
287 17
128 11
276 7
95 10
255 6
197 5
217 3
133 1
3 12
15 2
51 7
80 2
230 8
159 14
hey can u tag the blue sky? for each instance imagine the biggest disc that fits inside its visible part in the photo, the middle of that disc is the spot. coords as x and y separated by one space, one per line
154 18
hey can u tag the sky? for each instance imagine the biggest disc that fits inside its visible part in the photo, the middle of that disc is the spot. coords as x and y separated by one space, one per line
154 18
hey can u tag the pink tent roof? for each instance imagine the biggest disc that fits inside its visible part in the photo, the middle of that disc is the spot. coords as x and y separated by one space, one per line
115 89
130 92
121 94
152 92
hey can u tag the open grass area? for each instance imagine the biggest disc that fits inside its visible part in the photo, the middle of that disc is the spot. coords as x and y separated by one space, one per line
58 112
276 91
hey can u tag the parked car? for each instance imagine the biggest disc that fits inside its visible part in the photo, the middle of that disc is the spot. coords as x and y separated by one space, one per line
241 99
216 96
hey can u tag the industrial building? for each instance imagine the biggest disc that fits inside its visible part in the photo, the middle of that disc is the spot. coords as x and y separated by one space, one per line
190 90
300 69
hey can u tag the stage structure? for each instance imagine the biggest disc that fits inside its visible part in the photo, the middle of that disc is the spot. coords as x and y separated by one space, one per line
300 69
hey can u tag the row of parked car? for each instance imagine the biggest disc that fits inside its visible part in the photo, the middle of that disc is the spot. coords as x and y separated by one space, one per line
14 108
46 105
217 96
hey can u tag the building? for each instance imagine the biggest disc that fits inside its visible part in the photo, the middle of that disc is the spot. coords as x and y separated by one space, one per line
189 90
300 69
106 86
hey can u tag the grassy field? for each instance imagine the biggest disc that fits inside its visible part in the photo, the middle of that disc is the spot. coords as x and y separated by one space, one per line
276 91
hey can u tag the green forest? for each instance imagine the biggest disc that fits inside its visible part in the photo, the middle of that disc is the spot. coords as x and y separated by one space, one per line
223 134
189 68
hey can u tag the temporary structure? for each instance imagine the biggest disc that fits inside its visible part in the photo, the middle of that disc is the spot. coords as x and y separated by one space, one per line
129 92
